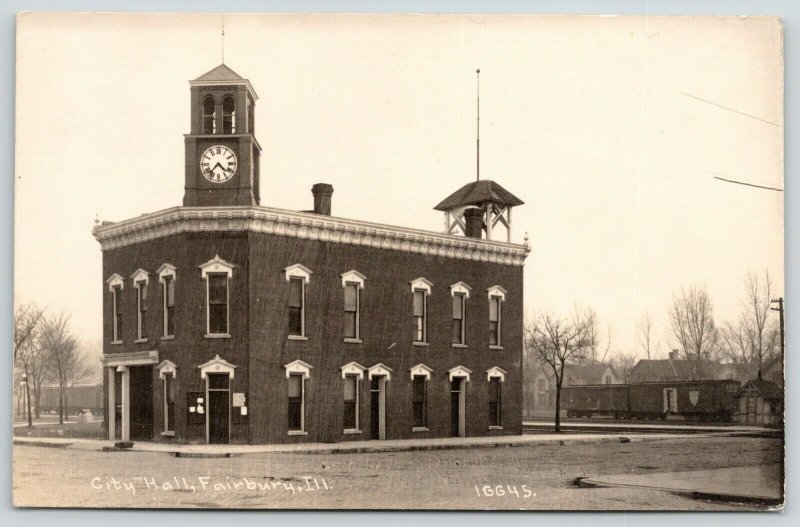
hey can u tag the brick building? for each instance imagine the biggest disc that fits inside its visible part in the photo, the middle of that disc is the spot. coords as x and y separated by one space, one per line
227 321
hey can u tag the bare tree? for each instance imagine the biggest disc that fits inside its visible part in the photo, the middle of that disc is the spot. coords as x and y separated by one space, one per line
26 320
644 332
35 363
69 364
692 324
756 316
623 364
556 341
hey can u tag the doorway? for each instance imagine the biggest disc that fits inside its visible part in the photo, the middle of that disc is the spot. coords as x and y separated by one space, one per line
218 408
141 403
457 424
377 407
670 400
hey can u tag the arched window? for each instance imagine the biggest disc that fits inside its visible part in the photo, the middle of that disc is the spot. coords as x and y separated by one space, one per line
209 116
228 116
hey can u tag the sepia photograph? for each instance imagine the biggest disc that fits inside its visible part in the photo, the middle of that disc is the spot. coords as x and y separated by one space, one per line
398 262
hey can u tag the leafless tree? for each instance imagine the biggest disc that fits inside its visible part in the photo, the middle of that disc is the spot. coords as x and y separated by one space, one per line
691 321
756 317
26 319
623 364
557 341
644 332
35 363
69 364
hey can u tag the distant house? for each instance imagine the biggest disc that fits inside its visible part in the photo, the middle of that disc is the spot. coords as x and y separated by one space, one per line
540 382
760 403
673 368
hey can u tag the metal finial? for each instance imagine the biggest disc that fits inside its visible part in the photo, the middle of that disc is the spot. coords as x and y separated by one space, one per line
478 135
223 39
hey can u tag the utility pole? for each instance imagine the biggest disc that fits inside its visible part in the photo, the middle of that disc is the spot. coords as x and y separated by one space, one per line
779 309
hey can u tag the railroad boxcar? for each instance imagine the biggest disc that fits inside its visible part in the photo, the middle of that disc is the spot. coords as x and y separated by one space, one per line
595 399
78 398
709 400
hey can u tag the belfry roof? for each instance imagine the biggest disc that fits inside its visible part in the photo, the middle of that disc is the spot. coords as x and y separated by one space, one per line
221 73
479 192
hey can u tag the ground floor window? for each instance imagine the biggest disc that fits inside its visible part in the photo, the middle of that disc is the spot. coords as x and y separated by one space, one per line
296 401
169 403
495 400
351 402
420 401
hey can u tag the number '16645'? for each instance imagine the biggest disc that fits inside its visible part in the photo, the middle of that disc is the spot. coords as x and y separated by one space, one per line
489 491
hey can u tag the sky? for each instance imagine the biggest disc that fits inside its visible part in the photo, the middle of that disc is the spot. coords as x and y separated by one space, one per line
612 130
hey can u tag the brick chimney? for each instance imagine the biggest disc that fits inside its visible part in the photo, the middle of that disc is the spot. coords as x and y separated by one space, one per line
473 219
322 198
673 355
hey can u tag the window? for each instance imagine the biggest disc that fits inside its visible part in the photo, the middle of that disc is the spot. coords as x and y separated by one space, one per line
166 372
296 301
295 402
217 274
296 373
420 289
459 301
297 276
217 304
351 308
209 116
494 321
419 401
250 123
351 401
228 116
169 306
495 401
496 297
116 301
141 300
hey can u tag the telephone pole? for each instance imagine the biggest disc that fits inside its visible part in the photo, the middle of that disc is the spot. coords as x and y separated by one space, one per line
779 309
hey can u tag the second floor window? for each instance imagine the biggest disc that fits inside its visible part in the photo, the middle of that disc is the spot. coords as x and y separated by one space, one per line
141 300
420 312
217 303
296 307
495 321
351 311
169 306
116 311
459 304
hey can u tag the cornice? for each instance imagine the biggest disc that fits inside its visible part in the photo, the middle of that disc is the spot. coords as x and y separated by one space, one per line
304 225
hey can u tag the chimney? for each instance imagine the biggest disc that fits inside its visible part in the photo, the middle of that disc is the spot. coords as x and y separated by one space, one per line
673 355
473 219
322 198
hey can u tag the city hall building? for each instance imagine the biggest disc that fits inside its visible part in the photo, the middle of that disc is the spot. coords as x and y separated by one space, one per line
225 321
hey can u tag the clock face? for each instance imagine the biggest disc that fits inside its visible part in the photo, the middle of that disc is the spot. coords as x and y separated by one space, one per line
218 164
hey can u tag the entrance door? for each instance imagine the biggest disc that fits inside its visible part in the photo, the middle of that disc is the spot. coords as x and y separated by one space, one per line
375 407
670 400
218 408
455 407
141 403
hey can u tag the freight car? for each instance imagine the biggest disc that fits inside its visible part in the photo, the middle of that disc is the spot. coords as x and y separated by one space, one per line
78 397
708 400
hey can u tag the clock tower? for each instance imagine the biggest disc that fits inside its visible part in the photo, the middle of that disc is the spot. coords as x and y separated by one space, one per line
222 154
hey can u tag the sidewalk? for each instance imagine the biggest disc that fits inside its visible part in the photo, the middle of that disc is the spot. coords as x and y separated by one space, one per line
754 483
391 445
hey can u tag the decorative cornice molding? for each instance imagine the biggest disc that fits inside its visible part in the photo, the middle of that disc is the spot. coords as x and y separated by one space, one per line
304 225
